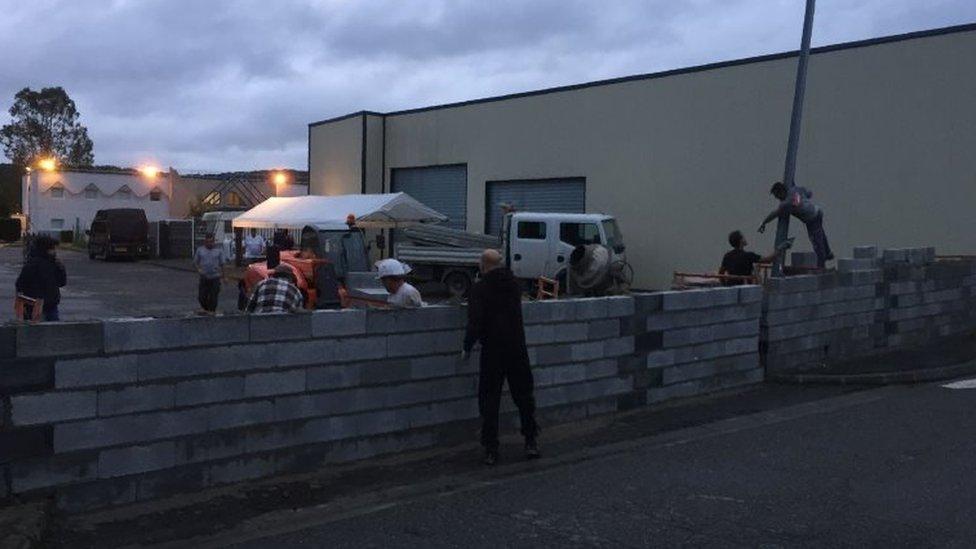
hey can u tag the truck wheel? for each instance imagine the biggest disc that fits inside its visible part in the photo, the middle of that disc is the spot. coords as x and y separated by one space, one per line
458 283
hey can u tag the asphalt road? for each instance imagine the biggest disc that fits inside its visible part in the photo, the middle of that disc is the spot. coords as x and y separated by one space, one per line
883 468
112 289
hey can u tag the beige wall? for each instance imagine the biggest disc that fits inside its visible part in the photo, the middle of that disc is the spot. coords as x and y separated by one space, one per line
886 147
335 157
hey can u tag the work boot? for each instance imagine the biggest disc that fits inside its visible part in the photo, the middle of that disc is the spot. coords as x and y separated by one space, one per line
491 457
531 449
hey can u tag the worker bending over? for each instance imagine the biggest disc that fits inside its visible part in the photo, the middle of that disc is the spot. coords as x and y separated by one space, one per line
738 261
276 294
796 202
393 276
495 320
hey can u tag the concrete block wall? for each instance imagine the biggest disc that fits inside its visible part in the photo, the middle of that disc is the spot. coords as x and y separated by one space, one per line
107 413
874 302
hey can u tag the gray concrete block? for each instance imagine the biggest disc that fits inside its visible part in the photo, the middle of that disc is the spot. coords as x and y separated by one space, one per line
904 287
554 310
929 253
698 299
32 409
865 252
327 404
792 284
603 329
211 446
845 265
274 383
239 414
917 256
750 294
619 346
647 302
621 305
704 386
386 371
709 368
544 334
601 368
128 429
702 317
237 470
342 323
550 354
351 349
117 462
426 343
212 360
205 391
803 259
589 308
53 471
702 334
952 294
324 378
302 353
658 359
89 372
865 277
895 255
434 366
280 326
591 350
167 333
127 400
715 349
394 321
59 339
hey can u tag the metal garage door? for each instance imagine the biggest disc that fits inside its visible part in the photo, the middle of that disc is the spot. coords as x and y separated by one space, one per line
444 188
567 195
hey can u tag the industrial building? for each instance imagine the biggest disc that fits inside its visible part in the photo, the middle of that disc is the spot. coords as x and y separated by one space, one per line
682 157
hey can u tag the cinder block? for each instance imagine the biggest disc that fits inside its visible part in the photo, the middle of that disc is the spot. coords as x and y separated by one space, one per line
395 321
88 372
274 383
895 255
360 348
553 310
245 468
172 482
586 351
702 334
59 339
601 368
127 400
425 343
169 333
620 305
211 446
204 361
205 391
715 349
916 256
554 354
303 353
603 329
859 278
280 326
117 462
709 368
929 253
239 414
32 409
342 323
128 429
803 259
865 252
750 294
698 299
647 302
589 308
845 265
544 334
386 371
702 317
790 284
618 346
434 366
900 288
658 359
53 471
336 376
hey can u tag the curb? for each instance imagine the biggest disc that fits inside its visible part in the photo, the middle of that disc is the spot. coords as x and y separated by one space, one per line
881 378
22 526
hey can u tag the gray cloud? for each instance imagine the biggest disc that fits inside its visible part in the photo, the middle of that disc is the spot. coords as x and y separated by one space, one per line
228 84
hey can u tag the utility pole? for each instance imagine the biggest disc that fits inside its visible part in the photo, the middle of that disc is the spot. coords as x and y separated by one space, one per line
789 171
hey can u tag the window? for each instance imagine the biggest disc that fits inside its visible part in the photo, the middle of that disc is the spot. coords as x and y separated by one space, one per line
125 193
57 223
91 192
579 234
232 199
155 195
533 230
57 191
614 239
228 226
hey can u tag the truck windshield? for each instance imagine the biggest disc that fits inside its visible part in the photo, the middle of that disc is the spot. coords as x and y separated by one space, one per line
346 250
615 240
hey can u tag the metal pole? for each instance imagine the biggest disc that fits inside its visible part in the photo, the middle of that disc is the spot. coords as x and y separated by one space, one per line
789 171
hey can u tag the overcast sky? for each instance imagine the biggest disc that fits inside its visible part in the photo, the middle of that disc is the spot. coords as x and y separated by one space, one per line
215 85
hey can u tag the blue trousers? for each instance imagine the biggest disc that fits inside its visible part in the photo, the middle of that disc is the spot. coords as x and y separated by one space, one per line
818 239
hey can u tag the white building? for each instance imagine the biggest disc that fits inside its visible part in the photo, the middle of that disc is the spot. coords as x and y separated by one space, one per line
66 199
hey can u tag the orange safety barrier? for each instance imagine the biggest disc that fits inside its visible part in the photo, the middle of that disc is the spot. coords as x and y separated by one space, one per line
20 308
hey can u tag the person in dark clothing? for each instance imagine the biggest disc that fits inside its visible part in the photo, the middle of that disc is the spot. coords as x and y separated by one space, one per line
796 201
495 321
42 277
282 240
738 261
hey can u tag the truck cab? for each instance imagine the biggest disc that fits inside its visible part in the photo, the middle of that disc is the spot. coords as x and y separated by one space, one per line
540 244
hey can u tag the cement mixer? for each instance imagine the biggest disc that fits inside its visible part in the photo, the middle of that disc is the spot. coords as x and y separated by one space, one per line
595 270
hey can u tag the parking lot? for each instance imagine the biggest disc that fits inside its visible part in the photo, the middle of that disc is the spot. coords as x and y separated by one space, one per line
99 289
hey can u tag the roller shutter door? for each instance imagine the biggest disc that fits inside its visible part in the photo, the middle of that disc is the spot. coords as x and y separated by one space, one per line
444 188
567 195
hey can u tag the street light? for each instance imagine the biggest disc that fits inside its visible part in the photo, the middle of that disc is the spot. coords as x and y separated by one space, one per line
48 164
149 171
280 178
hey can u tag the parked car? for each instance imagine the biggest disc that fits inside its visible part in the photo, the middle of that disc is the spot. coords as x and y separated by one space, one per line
119 232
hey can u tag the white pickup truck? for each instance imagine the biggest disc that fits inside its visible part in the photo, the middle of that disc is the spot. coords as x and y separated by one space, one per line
533 244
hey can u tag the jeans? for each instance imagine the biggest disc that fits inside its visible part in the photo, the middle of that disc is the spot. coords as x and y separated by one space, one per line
208 293
520 383
818 239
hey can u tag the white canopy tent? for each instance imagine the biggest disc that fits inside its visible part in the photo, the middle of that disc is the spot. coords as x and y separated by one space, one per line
371 211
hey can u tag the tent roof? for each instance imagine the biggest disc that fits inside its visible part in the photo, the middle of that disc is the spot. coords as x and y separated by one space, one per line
372 211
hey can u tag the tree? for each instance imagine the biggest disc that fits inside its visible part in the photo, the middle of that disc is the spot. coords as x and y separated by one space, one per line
45 123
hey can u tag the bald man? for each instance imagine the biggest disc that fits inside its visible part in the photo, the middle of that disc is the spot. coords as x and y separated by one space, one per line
495 321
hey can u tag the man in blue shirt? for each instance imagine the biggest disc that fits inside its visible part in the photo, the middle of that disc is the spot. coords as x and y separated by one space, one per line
209 260
796 202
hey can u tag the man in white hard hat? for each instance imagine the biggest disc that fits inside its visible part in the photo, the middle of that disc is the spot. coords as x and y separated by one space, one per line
393 275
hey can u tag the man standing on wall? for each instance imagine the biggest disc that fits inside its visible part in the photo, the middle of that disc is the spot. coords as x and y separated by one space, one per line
796 202
209 260
495 320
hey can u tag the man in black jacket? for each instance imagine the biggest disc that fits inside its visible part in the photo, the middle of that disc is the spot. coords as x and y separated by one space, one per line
43 276
495 320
